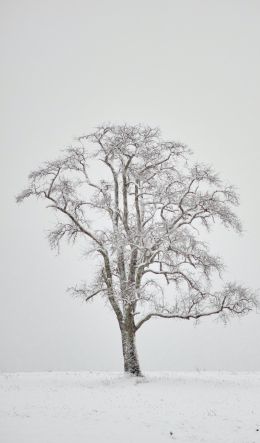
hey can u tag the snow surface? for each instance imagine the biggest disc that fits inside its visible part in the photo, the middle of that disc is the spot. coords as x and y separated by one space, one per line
95 407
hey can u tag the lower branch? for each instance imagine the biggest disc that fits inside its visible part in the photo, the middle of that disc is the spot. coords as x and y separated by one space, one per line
233 300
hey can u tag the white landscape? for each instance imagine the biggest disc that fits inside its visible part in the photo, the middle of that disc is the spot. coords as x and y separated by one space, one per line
103 407
130 142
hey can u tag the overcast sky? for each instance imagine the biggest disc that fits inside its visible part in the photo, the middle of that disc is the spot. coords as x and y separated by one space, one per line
190 67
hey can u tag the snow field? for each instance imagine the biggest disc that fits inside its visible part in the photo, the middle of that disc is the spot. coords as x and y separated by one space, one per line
96 407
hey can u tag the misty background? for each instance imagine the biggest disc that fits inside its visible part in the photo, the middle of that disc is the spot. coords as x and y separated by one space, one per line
190 67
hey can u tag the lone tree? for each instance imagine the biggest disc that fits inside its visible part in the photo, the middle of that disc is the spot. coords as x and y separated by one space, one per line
141 204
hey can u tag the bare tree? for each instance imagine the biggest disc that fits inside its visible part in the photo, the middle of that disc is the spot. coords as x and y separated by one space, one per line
152 203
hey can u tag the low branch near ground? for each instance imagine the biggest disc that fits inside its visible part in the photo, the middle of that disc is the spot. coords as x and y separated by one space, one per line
234 300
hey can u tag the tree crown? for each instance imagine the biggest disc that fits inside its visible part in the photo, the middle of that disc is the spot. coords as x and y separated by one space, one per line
152 203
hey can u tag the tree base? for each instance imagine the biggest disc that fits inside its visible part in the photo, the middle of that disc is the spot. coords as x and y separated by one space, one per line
134 373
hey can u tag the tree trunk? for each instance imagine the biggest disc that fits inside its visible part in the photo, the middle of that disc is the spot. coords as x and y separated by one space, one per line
131 363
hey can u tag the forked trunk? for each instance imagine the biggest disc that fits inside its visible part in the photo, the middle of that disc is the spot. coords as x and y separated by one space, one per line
131 363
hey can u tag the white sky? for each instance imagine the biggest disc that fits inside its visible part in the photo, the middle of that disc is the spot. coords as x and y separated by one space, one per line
188 66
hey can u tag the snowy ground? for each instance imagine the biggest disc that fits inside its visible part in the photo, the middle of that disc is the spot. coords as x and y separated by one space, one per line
97 407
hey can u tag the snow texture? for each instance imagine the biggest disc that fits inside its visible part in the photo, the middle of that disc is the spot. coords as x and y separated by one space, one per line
96 407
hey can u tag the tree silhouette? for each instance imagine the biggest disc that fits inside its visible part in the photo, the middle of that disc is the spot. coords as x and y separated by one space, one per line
142 205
